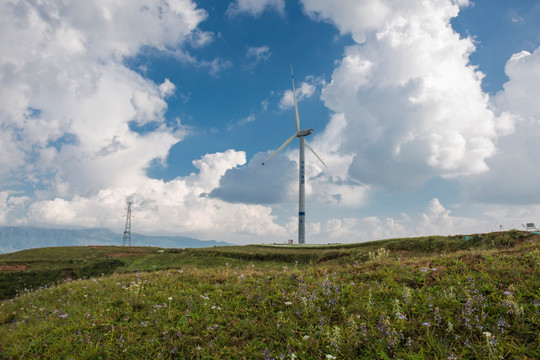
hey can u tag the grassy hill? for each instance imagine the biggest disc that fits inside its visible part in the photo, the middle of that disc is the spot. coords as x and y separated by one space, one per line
458 297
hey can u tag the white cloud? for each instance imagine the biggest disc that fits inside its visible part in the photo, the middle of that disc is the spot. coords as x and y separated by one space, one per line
3 206
413 105
437 220
250 118
167 88
306 90
520 94
177 206
254 7
82 128
360 17
258 54
12 207
66 98
514 172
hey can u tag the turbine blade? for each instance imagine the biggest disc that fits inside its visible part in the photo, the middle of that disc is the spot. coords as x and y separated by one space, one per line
296 117
289 140
313 151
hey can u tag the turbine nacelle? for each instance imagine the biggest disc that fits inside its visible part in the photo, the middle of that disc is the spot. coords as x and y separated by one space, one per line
304 132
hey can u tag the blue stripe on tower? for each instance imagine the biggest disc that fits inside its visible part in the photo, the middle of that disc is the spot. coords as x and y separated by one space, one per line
302 213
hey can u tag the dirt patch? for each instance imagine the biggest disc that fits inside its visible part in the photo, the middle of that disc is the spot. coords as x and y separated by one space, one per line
13 267
122 254
69 274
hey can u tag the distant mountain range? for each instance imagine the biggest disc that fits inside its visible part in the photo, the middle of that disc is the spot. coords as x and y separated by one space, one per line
14 238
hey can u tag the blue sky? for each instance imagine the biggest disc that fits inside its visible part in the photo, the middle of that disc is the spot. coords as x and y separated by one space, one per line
425 112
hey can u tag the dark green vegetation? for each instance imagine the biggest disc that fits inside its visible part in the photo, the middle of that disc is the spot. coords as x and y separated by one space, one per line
474 297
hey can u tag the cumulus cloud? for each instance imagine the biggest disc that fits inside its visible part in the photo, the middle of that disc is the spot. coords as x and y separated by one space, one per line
514 174
360 17
254 7
67 100
520 94
167 88
438 220
181 205
413 104
81 128
435 219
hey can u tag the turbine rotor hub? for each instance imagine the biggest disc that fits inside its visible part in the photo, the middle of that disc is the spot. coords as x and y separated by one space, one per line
305 132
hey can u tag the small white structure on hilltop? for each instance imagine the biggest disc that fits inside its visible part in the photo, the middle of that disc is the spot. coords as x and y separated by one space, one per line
529 227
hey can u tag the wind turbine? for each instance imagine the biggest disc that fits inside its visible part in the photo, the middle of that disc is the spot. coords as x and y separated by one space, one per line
301 134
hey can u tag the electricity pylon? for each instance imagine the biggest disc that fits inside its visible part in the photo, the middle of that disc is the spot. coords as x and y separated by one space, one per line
127 230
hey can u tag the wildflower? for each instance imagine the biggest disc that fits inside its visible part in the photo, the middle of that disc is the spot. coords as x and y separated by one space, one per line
170 297
306 337
438 317
330 357
288 303
63 316
267 355
424 269
507 293
426 324
363 329
502 324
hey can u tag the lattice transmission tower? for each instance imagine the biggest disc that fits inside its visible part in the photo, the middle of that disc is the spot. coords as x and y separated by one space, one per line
127 230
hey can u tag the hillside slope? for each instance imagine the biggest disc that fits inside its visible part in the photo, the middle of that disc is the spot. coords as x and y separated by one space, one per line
474 297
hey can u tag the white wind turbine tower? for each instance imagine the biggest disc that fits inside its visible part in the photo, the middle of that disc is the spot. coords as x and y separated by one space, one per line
301 134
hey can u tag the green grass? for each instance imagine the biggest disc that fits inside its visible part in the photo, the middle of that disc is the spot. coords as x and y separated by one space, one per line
426 298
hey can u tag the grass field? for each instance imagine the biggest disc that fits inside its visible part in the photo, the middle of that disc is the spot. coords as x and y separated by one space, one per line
475 297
